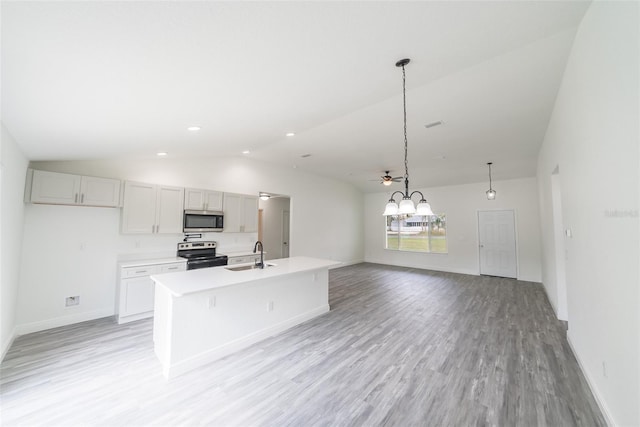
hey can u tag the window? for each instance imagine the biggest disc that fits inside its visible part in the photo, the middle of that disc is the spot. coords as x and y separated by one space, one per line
417 233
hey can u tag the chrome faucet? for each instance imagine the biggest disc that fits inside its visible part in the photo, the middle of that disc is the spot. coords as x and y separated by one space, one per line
255 248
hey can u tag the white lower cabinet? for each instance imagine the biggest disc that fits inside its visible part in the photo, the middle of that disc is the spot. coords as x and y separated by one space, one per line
136 289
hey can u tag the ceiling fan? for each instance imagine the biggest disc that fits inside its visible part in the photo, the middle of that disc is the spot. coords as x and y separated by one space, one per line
387 179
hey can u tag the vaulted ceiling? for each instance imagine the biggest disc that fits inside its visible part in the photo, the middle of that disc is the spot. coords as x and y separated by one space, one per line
86 80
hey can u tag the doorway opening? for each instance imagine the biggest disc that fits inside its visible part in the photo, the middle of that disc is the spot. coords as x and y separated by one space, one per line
274 225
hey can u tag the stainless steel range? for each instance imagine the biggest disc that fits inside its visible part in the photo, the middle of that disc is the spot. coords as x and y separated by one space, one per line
201 254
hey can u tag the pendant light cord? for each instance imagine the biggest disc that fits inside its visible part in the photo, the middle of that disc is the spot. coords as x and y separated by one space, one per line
489 176
406 144
404 106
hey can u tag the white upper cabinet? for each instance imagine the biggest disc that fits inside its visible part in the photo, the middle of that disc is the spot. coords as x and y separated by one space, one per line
169 209
202 200
150 208
240 213
68 189
250 214
99 191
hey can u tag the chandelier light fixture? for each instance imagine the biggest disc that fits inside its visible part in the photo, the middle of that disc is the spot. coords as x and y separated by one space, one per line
406 206
491 193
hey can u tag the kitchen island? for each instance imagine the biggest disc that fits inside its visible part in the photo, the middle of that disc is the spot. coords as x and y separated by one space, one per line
205 314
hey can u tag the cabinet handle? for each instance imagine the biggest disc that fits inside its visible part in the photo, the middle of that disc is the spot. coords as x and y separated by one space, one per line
172 268
141 271
153 229
158 228
82 198
75 199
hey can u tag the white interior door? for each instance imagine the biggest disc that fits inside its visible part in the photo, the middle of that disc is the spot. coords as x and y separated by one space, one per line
497 243
285 234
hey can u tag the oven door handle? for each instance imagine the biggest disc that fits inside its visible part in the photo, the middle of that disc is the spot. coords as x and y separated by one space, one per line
199 261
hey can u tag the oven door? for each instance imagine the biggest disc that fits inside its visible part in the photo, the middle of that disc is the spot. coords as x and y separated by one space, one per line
194 264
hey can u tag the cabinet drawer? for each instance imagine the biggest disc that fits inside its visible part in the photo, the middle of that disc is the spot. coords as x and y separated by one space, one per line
140 271
171 268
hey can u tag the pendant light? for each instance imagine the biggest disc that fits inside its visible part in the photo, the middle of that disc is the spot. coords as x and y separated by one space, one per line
491 193
406 206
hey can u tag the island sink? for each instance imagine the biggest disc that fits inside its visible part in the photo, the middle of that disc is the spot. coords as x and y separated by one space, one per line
248 267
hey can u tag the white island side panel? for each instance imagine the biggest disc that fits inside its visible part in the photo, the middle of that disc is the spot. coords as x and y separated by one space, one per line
197 328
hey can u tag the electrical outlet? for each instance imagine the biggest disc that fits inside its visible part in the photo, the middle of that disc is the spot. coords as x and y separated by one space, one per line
71 301
211 302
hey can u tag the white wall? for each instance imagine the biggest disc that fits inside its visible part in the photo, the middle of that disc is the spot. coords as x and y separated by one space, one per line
272 225
593 138
13 170
74 250
461 204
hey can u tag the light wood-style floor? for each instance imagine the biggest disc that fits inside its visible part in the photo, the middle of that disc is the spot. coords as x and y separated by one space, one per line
400 347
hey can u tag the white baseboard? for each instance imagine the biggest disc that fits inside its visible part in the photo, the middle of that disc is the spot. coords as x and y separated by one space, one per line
41 325
8 343
178 368
592 386
346 263
428 267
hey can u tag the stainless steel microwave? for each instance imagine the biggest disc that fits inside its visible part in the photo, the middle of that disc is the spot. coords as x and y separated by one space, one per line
202 221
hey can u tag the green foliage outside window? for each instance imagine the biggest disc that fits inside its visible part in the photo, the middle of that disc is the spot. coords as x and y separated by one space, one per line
417 233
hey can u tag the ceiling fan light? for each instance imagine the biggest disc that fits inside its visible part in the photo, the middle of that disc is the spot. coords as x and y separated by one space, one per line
424 208
391 208
406 207
491 194
387 182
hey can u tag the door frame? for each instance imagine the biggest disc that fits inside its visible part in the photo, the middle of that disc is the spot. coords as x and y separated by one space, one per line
515 235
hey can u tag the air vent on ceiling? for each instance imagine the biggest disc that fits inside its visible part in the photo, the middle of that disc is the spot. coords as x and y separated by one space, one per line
434 124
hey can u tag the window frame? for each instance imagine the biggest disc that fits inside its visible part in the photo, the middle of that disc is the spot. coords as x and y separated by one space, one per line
430 220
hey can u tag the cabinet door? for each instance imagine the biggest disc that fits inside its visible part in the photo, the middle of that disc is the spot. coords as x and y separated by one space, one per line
194 199
250 214
169 209
55 188
99 191
138 295
232 212
139 208
213 201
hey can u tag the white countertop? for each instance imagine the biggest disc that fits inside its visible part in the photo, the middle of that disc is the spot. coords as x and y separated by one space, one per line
191 281
150 261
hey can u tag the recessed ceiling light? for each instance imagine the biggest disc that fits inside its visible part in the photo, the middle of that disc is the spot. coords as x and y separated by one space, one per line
246 152
291 134
161 154
193 128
